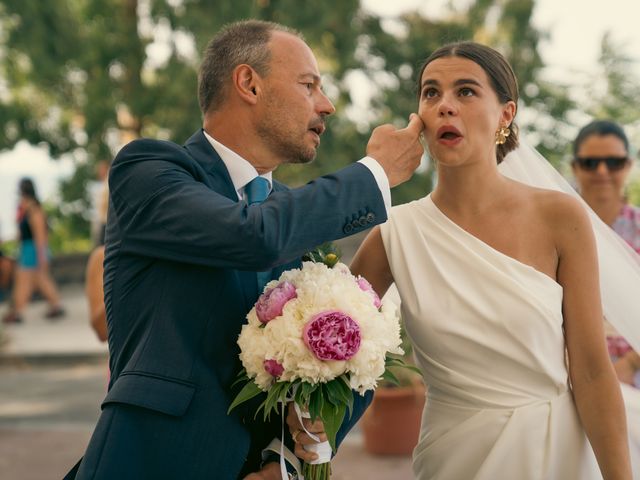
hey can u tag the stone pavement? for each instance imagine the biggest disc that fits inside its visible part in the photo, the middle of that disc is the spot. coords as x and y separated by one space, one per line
52 379
67 338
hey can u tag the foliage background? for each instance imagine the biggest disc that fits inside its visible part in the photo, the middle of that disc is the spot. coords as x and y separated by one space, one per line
86 76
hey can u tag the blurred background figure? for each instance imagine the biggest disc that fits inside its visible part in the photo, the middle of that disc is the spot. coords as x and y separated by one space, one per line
601 164
95 293
94 272
100 201
33 258
7 269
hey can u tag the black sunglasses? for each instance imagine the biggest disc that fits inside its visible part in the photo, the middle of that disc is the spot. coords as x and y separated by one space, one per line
591 163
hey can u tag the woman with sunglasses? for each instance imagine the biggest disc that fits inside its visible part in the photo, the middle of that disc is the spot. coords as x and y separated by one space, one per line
601 164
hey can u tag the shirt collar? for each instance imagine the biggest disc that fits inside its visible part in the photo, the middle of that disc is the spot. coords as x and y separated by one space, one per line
240 170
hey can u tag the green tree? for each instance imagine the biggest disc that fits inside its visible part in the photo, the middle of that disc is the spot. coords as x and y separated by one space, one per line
85 76
615 94
503 24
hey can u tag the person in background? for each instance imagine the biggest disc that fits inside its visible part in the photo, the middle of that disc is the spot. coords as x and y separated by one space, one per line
601 165
7 269
94 288
33 259
95 293
100 201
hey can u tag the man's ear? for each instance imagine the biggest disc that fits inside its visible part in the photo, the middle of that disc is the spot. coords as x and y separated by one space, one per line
246 83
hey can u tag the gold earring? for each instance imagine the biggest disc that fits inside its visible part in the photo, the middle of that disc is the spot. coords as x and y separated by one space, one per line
502 134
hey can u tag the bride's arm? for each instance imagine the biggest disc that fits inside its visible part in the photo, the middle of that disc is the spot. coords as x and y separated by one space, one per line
593 380
370 261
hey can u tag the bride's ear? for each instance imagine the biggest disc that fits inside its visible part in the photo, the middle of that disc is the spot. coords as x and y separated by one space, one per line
508 113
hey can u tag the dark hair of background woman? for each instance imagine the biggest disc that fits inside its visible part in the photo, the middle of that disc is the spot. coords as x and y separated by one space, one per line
28 189
600 128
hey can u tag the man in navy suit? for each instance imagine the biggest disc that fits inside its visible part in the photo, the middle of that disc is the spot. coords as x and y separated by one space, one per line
184 243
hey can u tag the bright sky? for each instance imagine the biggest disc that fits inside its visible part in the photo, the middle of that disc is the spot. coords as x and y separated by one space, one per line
575 26
575 30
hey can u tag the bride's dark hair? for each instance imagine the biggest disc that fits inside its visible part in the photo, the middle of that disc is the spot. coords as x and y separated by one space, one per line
500 74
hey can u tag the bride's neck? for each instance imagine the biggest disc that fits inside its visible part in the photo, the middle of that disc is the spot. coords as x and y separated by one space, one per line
469 189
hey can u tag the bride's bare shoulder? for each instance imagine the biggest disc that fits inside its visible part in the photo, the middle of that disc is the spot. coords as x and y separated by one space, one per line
560 211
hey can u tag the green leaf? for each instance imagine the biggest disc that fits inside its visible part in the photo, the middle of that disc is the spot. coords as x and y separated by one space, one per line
338 392
397 362
347 396
299 397
347 392
413 368
276 392
316 402
333 392
332 417
242 376
249 391
390 377
307 390
327 253
390 361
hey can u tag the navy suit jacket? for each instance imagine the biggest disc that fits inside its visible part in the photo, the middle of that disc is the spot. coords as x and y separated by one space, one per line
180 262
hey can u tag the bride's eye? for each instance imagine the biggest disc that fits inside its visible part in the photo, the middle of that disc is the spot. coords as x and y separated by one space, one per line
466 92
429 92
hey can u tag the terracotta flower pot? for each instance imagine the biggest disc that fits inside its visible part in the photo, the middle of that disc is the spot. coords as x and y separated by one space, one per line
391 425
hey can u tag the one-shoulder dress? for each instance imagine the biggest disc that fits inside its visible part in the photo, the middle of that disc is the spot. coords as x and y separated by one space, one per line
487 333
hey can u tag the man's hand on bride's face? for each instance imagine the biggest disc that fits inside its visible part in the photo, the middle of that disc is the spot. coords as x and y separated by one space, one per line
398 151
300 437
271 471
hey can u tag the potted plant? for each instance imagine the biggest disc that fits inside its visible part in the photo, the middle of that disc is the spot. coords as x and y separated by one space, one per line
391 424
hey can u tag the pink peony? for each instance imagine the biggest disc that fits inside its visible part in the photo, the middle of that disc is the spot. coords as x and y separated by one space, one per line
273 368
271 302
365 286
332 335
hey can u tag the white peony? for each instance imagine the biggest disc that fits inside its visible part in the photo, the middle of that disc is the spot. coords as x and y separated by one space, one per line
320 289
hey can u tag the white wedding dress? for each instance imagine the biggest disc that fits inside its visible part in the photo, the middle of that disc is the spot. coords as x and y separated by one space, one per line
487 334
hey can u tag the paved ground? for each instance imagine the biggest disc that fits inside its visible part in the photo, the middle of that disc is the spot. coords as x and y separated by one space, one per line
52 379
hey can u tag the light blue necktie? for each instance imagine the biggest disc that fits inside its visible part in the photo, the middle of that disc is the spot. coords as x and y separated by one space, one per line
257 191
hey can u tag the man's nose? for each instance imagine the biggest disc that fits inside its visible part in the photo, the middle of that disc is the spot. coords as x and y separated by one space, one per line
324 106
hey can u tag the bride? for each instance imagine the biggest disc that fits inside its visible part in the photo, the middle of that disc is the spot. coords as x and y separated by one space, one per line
503 310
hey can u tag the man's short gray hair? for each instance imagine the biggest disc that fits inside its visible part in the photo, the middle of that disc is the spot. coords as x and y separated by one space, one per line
244 42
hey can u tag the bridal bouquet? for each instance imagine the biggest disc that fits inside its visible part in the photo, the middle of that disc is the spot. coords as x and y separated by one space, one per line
313 337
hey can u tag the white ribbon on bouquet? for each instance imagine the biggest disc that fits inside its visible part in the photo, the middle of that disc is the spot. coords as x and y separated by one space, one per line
323 449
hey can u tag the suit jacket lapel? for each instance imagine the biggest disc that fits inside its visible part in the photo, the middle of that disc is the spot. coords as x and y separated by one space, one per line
220 181
203 152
